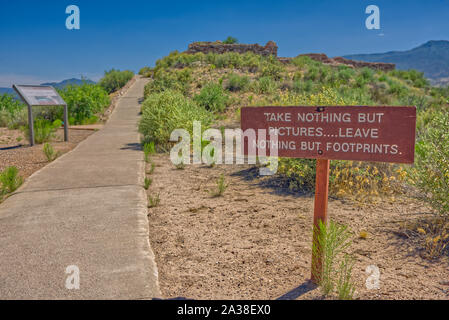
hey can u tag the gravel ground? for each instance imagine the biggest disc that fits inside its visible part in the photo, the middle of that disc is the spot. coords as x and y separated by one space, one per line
15 150
254 242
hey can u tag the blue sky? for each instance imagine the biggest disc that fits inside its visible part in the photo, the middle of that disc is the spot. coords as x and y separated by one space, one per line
36 46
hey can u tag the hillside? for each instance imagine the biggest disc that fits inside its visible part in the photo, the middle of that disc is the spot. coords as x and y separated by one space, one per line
241 232
432 58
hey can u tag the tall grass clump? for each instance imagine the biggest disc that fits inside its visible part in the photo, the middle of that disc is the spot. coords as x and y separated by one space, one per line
330 245
44 130
114 80
169 110
431 171
12 112
10 180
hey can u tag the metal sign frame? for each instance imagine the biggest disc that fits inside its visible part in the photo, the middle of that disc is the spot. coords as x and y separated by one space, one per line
21 91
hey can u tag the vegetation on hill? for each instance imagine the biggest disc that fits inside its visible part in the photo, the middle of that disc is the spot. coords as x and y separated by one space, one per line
431 58
222 83
85 101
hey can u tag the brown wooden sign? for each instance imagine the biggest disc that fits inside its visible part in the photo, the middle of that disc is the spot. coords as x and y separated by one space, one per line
363 133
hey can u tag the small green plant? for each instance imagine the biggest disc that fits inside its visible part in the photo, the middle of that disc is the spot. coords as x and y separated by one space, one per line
331 241
147 183
237 83
10 180
148 149
230 40
345 286
431 172
152 167
154 201
221 186
50 153
43 130
213 98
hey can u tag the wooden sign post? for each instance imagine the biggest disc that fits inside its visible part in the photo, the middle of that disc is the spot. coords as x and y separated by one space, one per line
384 134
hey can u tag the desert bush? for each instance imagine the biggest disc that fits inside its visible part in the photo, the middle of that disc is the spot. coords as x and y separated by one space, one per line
267 85
146 71
169 110
213 98
44 130
237 83
50 153
230 40
12 112
114 80
10 180
83 102
178 80
271 67
303 61
431 171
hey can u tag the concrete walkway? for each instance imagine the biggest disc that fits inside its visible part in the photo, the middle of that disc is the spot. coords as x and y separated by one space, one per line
87 209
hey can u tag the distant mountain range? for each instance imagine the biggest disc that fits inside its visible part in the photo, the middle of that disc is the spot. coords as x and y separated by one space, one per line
57 85
432 58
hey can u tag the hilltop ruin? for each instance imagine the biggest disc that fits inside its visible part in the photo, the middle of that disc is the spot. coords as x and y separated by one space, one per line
271 48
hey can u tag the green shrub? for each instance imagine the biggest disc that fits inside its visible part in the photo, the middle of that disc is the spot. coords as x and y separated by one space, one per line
213 98
12 112
114 80
169 110
178 80
237 83
230 40
83 102
50 153
272 68
43 130
10 180
431 171
146 71
267 85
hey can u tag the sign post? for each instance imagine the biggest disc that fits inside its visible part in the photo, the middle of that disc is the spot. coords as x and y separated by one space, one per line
319 213
41 96
363 133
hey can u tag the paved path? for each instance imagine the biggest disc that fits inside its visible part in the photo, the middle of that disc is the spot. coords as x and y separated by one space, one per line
87 209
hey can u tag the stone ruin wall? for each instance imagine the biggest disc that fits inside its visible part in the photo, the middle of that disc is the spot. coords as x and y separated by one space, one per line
218 47
321 57
272 49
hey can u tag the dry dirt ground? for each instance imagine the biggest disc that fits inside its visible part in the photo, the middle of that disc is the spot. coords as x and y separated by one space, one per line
254 242
15 149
